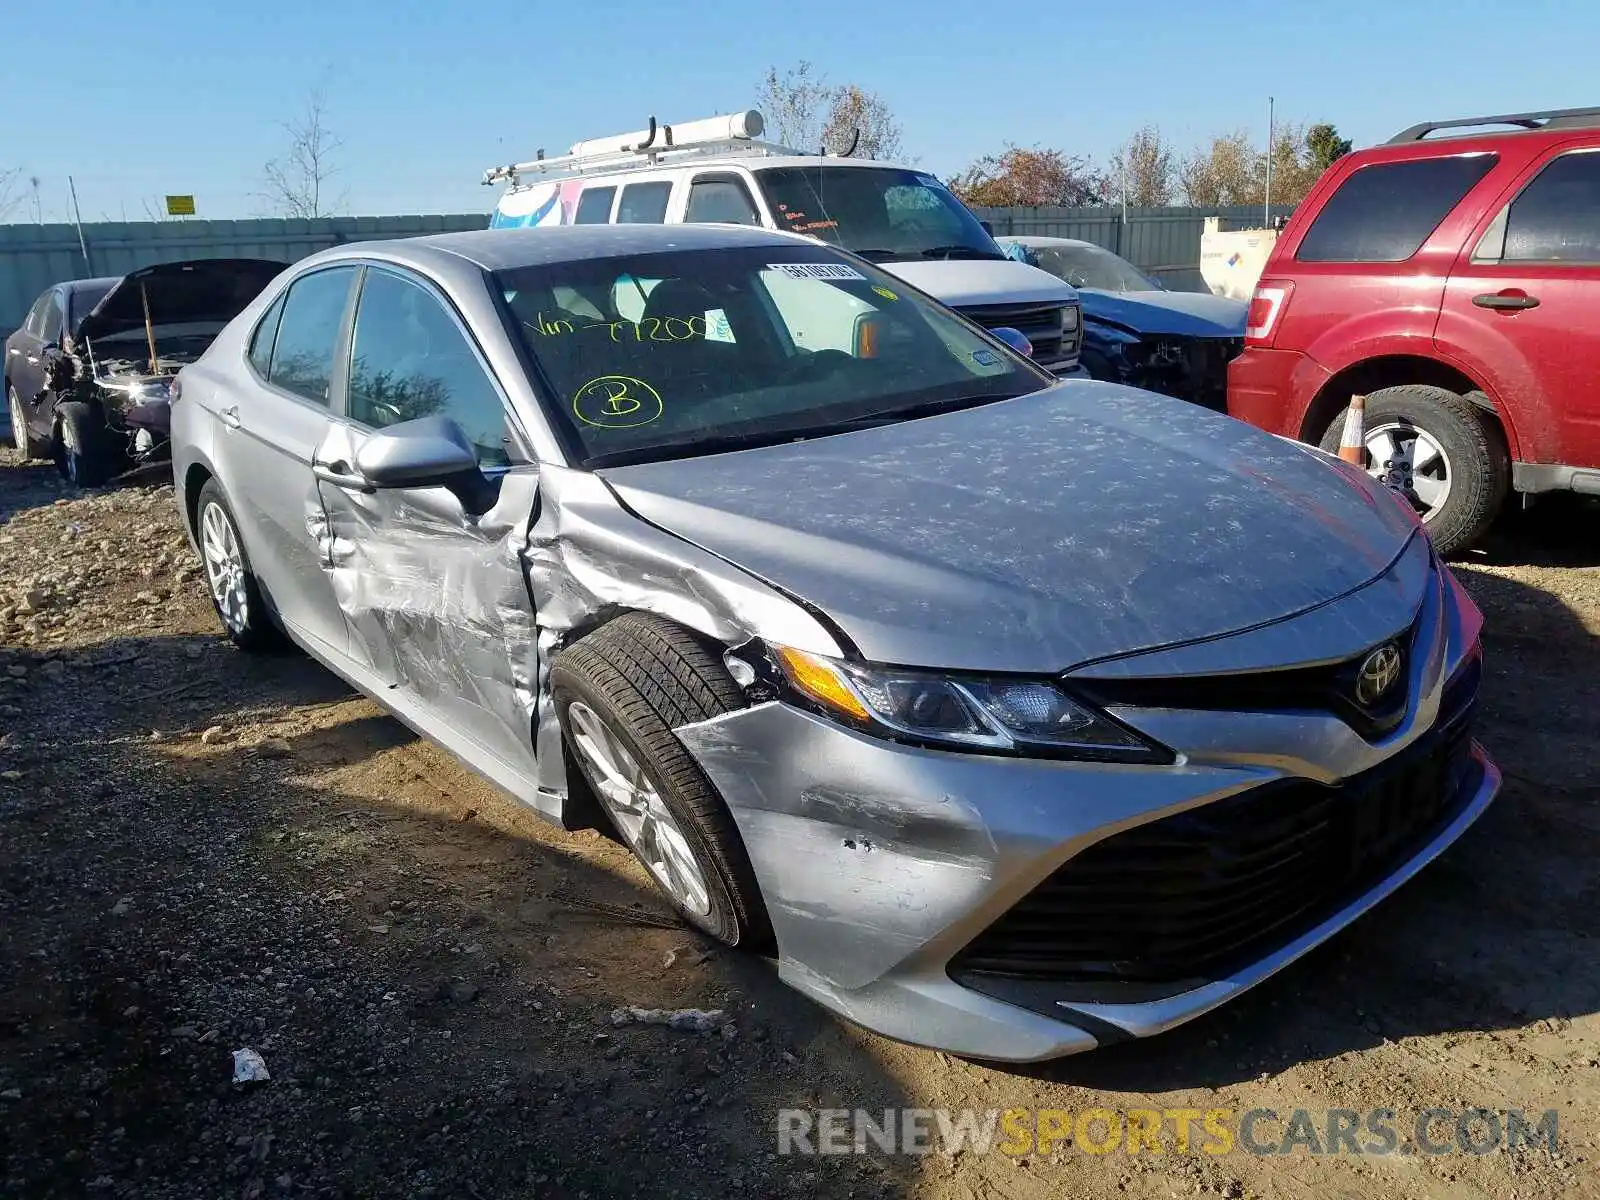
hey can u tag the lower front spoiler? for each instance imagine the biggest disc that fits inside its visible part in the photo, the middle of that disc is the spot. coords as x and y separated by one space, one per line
933 1010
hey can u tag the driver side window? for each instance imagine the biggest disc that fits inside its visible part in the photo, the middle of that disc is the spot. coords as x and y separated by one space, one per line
410 359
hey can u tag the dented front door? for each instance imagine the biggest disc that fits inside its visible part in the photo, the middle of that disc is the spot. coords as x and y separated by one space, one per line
435 600
432 590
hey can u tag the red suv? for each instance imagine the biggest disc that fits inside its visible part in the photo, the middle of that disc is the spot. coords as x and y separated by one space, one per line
1455 282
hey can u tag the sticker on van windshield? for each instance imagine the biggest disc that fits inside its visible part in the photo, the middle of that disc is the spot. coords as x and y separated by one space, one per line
817 270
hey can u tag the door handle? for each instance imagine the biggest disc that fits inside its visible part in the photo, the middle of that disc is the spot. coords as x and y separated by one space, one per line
230 416
340 475
1506 301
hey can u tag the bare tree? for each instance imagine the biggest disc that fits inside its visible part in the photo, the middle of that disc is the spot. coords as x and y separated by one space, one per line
11 190
794 105
1145 168
853 112
298 184
803 110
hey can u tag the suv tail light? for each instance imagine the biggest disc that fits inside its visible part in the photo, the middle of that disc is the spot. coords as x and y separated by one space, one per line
1266 308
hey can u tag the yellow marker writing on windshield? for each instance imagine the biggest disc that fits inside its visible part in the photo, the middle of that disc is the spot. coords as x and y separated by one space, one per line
616 402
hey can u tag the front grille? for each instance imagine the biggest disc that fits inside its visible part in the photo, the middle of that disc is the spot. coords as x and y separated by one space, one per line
1193 897
1039 323
1327 688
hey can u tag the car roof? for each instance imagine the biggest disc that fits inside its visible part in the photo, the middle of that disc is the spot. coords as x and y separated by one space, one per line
1041 241
74 286
508 249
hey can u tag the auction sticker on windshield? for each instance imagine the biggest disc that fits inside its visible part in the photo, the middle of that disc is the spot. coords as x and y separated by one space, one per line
817 270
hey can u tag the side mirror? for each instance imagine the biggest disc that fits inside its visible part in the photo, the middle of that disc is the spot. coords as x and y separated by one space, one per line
1014 338
426 452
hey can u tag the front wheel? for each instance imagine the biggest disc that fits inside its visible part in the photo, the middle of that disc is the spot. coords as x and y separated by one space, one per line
1444 456
620 692
84 452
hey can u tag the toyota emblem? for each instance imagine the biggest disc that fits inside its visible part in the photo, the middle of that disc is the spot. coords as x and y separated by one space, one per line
1379 672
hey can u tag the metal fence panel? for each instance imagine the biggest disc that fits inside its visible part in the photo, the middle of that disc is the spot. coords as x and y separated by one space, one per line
32 257
1165 242
1162 241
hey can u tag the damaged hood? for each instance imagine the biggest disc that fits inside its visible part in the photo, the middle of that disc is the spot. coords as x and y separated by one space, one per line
1081 522
1185 314
967 282
206 290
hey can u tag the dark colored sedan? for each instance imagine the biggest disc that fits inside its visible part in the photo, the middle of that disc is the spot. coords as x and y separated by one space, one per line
87 377
1137 332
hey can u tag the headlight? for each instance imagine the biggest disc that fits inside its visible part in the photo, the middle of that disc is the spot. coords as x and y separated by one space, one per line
995 715
1069 318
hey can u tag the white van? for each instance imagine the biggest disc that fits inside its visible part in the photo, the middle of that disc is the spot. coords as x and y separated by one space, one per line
718 170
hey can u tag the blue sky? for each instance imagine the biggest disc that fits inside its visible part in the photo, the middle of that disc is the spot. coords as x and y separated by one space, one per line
187 95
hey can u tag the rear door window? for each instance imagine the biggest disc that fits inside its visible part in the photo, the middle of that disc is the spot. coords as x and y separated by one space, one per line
594 206
722 199
308 334
1384 212
1557 216
644 203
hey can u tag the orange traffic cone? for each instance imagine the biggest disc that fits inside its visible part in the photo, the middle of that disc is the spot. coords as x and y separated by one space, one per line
1353 445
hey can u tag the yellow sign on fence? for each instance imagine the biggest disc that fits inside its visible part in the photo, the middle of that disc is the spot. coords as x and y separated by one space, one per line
180 206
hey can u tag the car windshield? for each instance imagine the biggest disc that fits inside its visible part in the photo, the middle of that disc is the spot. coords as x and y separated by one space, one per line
681 353
886 214
1091 267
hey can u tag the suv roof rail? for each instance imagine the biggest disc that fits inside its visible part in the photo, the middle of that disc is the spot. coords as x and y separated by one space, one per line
735 135
1553 118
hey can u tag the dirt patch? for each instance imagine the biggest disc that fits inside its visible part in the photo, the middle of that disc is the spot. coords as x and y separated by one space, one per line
202 852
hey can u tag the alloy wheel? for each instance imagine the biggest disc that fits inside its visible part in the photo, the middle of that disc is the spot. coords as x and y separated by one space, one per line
19 428
635 806
225 570
1412 461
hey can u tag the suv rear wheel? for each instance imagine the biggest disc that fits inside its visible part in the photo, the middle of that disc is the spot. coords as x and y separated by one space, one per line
1453 465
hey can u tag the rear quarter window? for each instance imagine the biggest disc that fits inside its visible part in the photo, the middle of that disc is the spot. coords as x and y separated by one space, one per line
1385 211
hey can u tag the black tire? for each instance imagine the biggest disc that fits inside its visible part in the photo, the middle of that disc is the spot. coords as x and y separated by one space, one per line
256 632
643 676
1480 467
84 451
27 446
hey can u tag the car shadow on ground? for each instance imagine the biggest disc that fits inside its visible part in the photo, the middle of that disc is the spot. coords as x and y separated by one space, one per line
23 483
1497 934
1560 530
248 855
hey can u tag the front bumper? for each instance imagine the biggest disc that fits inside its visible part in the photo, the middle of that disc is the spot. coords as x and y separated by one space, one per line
881 863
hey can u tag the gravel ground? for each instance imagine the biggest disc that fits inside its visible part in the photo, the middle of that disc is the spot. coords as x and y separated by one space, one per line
202 852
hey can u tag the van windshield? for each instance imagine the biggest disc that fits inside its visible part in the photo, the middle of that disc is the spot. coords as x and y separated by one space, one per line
676 354
887 214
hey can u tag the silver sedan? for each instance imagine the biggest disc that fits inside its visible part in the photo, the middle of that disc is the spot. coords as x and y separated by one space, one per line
1018 716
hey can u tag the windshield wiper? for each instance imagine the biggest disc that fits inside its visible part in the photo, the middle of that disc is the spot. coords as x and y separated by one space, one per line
876 255
962 252
928 408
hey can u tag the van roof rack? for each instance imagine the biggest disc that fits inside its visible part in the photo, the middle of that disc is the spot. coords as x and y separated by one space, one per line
738 134
1553 118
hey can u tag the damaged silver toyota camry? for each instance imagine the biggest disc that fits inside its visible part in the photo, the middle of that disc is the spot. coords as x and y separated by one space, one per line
1018 716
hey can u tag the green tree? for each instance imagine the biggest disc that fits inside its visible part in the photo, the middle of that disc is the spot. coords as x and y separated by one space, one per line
1324 147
